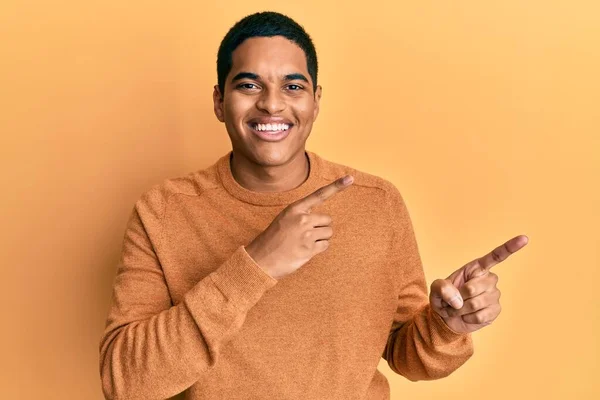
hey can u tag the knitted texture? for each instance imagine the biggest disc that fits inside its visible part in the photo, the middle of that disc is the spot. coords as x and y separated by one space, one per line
192 311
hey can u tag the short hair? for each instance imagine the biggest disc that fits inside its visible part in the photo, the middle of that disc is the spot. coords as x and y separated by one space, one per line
264 24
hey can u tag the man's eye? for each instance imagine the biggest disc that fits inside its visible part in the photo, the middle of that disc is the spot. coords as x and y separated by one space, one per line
294 87
247 86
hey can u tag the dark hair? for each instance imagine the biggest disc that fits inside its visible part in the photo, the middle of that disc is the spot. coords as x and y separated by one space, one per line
265 24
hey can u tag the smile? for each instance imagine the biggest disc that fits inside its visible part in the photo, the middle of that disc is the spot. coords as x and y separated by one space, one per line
270 128
271 132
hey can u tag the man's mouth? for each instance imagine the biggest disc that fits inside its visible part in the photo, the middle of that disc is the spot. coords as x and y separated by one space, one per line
270 128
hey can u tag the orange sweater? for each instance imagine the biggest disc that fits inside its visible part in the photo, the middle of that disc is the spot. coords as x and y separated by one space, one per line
192 310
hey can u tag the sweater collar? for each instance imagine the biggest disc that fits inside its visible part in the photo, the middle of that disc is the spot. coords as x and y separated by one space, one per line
269 198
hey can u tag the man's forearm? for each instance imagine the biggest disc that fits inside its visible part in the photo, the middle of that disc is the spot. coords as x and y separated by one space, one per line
425 348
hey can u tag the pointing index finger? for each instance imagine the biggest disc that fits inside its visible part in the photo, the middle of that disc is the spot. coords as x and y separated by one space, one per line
320 195
502 252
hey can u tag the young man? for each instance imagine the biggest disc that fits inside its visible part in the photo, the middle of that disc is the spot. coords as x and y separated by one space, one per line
274 273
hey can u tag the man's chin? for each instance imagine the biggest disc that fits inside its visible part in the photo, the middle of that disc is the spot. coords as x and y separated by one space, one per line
273 155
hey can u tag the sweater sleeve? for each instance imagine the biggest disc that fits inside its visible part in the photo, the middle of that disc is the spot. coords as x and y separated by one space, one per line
152 349
420 345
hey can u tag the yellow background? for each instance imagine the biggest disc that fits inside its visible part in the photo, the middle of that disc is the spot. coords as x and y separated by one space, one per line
484 114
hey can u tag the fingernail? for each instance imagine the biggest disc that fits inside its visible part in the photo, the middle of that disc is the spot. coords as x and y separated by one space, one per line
456 301
347 180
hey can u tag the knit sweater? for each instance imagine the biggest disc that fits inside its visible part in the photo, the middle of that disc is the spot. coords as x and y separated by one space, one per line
192 311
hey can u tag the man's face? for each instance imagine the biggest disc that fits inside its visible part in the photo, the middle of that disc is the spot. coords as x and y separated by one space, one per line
268 105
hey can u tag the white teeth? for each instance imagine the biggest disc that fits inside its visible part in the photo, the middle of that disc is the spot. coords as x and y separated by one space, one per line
271 127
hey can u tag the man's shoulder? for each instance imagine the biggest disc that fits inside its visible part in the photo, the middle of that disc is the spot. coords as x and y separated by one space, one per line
362 179
193 183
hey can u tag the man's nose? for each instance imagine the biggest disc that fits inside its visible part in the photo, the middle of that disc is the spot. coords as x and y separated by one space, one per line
271 101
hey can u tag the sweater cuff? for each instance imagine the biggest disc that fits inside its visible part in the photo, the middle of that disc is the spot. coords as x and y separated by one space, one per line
241 280
441 333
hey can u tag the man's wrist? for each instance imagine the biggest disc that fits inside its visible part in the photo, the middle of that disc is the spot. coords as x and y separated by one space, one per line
253 255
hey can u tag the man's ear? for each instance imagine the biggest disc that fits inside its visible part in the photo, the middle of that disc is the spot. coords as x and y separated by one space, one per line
218 104
318 93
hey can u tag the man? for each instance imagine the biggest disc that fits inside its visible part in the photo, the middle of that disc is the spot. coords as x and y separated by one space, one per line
274 273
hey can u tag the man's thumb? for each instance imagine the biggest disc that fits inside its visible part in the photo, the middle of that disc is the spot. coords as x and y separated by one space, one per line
445 291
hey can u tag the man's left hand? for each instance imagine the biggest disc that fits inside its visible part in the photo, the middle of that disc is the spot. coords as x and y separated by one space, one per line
468 299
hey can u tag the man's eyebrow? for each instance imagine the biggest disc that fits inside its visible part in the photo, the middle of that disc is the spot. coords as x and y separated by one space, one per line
253 76
245 75
297 76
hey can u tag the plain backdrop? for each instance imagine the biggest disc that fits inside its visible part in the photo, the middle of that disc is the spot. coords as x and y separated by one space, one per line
484 114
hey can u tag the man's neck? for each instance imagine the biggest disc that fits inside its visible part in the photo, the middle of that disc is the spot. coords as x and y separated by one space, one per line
280 178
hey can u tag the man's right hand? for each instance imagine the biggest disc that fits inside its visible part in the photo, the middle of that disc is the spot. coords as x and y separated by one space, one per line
296 235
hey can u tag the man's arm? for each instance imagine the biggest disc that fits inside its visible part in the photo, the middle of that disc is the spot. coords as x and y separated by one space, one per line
152 349
420 345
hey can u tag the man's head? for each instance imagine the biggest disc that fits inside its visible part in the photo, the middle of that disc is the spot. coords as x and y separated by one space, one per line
267 93
265 24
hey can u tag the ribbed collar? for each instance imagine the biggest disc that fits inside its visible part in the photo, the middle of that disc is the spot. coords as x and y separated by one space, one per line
269 198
